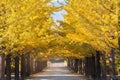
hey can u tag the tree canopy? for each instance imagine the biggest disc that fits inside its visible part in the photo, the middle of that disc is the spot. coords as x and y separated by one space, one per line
27 26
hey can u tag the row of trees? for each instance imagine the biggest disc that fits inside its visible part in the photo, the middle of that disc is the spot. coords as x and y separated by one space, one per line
20 66
93 67
91 26
88 66
25 32
26 26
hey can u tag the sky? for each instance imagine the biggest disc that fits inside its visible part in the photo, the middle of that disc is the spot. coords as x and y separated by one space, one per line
58 15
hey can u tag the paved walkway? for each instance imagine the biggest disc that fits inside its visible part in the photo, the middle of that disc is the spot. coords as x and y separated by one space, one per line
56 71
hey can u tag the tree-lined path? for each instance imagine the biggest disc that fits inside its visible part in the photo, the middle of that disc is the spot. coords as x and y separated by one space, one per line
84 32
56 71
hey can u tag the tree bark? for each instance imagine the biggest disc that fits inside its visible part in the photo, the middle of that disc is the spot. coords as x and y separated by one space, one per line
90 66
39 65
70 63
23 66
8 67
17 68
93 68
32 65
103 66
76 65
36 66
28 72
80 69
98 67
2 66
86 67
112 63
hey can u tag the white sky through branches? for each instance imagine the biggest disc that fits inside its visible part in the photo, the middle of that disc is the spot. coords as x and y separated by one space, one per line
58 16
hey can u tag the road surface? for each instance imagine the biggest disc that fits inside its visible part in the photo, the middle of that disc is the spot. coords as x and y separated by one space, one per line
56 71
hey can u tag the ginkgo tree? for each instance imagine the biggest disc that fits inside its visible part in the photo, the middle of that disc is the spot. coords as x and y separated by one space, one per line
94 23
26 23
101 28
25 27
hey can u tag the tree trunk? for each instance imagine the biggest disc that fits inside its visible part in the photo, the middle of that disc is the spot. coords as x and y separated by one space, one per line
17 68
103 66
112 63
2 66
68 62
93 68
80 66
32 65
23 67
36 66
28 72
86 67
76 65
8 67
98 67
90 66
72 64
